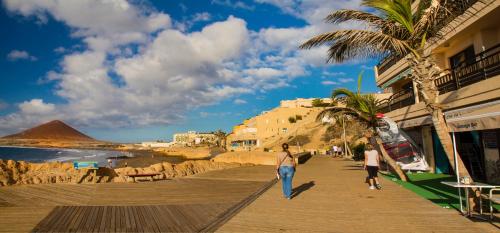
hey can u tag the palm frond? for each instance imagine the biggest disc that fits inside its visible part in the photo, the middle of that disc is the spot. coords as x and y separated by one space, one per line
349 44
397 11
427 20
337 111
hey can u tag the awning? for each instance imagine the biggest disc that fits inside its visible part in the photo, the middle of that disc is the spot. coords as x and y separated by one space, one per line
477 117
419 121
399 76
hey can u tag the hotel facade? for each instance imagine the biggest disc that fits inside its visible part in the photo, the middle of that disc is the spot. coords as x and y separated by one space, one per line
469 90
260 132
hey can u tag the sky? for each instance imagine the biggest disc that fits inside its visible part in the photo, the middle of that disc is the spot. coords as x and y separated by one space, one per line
140 70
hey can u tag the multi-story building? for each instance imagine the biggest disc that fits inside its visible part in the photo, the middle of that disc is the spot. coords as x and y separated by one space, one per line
253 133
193 138
469 90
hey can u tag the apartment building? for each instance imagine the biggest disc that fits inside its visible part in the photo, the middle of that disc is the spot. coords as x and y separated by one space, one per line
194 138
469 90
253 133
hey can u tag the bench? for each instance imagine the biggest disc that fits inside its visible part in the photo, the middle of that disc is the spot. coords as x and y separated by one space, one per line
151 175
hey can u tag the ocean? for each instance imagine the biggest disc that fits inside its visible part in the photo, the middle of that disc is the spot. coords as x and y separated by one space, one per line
30 154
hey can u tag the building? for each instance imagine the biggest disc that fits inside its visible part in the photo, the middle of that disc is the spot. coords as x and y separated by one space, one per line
301 102
256 132
469 89
156 144
194 138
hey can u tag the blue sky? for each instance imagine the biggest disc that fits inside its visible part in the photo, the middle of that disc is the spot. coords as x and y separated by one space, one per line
141 70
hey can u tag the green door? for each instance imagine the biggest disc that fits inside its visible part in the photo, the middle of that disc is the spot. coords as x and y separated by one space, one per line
442 163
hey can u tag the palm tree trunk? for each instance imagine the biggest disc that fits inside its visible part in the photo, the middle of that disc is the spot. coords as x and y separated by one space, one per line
389 160
425 72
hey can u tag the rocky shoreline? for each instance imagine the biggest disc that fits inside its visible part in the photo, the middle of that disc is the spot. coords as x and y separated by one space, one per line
21 172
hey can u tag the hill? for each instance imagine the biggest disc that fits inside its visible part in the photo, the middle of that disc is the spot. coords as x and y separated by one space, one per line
54 130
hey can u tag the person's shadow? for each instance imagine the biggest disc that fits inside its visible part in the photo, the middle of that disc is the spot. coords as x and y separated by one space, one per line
303 187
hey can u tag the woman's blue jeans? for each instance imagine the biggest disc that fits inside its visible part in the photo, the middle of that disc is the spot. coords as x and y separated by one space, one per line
286 174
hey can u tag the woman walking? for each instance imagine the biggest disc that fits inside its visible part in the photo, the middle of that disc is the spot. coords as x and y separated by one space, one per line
285 167
372 163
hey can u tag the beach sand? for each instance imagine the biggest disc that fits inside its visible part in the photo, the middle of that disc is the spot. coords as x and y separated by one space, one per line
144 158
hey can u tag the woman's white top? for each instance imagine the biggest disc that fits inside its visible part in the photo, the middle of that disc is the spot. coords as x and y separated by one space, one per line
372 156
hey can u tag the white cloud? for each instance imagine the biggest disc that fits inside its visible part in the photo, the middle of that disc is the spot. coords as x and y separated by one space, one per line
186 24
15 55
36 106
240 101
264 72
346 80
135 69
329 83
233 4
333 74
365 67
60 49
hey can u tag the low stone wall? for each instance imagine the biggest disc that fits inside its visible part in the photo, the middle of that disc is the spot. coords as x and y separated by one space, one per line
20 172
253 157
168 170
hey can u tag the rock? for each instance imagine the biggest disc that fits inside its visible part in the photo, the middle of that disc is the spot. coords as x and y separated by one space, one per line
12 172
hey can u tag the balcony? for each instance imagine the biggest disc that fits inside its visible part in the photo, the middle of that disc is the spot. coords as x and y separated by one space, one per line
485 65
457 7
398 100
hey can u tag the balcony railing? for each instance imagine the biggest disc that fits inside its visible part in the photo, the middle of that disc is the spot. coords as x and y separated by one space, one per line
456 7
398 100
485 65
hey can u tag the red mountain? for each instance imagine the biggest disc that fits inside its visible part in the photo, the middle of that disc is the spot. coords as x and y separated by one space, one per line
54 130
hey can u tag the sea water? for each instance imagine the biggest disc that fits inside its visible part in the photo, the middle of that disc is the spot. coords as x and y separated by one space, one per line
31 154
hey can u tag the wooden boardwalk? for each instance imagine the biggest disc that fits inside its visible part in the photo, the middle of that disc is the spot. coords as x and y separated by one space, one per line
330 196
191 204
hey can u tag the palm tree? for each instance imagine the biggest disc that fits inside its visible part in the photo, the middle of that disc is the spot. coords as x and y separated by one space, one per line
364 107
394 29
220 138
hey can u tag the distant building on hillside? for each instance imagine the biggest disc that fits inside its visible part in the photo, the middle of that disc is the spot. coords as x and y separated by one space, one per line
280 123
272 125
156 144
194 138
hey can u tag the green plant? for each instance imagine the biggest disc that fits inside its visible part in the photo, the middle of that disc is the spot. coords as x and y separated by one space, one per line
359 152
292 120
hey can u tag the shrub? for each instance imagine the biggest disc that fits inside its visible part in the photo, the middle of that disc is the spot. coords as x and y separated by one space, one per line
298 117
292 120
359 152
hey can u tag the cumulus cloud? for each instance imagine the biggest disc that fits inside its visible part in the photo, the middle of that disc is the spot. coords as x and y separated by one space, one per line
15 55
36 106
135 69
240 101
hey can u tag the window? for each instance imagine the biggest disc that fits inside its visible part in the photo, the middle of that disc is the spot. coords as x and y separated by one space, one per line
463 58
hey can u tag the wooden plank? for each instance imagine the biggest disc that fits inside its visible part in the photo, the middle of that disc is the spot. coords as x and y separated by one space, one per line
73 223
104 217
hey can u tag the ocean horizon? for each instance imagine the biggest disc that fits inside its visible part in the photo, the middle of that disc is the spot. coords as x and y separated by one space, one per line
38 155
